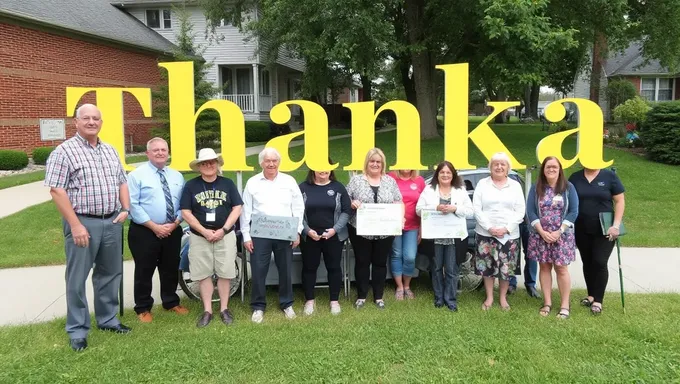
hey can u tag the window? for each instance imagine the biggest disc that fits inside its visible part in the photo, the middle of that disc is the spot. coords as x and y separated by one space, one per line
264 82
657 89
227 81
158 18
243 81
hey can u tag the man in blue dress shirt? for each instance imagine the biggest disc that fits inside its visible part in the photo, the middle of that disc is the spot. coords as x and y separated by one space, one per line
155 236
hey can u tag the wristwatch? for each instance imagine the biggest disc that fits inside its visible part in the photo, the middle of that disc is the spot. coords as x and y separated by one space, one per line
124 210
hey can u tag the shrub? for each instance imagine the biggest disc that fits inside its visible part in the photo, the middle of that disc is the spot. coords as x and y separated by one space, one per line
205 139
162 133
632 111
380 123
41 154
257 131
661 133
620 91
12 160
278 129
139 148
560 126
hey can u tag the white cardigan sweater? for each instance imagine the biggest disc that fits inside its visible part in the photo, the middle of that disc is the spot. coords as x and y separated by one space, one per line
429 200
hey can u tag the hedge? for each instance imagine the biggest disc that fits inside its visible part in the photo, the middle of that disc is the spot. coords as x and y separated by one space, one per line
660 133
12 160
41 154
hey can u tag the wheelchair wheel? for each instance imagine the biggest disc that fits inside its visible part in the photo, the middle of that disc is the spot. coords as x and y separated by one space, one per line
468 281
191 289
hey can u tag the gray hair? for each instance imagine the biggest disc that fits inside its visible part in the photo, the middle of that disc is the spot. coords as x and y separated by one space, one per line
85 106
501 156
155 139
268 151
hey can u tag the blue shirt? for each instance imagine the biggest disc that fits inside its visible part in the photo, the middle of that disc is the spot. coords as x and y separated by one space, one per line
147 201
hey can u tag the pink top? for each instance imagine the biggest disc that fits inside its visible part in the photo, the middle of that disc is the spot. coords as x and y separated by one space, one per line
410 192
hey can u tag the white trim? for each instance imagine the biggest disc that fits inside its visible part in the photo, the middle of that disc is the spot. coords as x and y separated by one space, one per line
161 19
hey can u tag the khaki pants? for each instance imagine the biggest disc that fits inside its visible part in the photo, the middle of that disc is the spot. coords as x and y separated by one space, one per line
206 258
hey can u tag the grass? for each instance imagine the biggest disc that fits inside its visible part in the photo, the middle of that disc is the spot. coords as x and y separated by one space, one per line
410 341
647 210
21 179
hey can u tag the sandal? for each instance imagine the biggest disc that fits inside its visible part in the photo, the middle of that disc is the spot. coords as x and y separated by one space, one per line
409 294
486 307
586 303
596 309
399 294
563 314
543 312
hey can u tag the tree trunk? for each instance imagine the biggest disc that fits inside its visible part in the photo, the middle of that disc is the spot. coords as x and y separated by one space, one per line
533 99
407 81
527 102
423 69
599 49
500 96
367 86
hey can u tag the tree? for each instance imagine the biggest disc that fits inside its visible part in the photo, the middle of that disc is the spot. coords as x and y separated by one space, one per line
207 124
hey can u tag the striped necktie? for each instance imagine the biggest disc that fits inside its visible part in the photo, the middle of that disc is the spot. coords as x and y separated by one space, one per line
169 209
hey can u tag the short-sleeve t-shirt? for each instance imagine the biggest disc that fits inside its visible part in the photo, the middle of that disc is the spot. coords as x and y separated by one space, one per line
204 199
321 202
410 192
595 197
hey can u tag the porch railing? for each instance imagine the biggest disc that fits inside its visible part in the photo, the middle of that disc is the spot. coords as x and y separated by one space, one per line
245 102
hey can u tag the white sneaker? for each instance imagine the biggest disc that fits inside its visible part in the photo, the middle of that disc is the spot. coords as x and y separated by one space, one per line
335 308
290 313
309 308
258 316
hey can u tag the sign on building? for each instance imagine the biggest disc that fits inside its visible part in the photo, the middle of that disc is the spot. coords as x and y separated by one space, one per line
52 129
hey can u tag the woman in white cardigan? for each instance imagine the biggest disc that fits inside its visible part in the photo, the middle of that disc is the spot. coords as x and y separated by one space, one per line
499 209
446 194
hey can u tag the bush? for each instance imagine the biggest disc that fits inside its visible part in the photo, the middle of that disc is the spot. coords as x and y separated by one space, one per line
206 139
380 123
41 154
257 131
661 133
12 160
163 133
560 126
632 111
619 91
278 129
139 148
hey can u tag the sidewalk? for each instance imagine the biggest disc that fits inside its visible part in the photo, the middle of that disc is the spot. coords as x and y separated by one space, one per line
27 195
38 294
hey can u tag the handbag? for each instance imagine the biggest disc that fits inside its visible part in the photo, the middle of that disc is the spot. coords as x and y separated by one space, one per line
607 220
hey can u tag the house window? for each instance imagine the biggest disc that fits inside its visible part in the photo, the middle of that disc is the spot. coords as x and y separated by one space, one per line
657 89
227 81
158 18
243 81
264 83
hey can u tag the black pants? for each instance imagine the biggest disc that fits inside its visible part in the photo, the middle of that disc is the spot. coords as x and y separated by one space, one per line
595 250
149 253
371 263
311 258
259 264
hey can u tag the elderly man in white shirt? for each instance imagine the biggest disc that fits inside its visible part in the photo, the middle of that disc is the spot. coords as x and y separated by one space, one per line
499 208
271 193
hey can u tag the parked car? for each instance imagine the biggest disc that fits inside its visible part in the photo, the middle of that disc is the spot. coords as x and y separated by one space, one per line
468 280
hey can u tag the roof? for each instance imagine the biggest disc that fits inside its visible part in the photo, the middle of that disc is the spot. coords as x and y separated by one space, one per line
97 18
122 3
631 62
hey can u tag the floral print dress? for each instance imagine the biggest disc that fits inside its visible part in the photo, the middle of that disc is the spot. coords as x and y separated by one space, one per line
562 252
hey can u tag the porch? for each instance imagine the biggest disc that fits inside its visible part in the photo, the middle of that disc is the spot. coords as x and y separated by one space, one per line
256 88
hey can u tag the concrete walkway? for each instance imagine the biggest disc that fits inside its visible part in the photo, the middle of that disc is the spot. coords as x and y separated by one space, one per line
27 195
38 294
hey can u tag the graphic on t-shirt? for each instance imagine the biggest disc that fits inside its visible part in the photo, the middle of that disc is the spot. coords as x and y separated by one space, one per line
211 199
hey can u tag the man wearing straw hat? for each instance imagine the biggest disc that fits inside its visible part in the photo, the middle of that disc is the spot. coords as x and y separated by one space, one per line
211 205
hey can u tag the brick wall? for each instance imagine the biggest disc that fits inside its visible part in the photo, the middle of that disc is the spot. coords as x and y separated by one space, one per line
35 69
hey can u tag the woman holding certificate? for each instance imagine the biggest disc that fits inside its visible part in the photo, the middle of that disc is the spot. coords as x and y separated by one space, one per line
499 208
371 229
552 208
447 195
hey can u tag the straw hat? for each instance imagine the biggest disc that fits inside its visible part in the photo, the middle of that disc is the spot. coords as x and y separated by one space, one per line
206 154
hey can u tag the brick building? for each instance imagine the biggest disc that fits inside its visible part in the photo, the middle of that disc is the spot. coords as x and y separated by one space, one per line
46 46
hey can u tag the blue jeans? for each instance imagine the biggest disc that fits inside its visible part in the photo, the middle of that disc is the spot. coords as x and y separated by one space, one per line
404 249
445 283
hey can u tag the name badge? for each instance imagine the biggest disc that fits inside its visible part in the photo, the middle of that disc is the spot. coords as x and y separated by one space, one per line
557 199
210 217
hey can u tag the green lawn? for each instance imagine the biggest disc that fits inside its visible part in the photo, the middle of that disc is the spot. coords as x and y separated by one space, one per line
408 342
647 210
24 178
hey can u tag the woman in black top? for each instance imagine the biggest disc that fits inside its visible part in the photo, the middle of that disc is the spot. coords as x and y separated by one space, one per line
599 190
327 209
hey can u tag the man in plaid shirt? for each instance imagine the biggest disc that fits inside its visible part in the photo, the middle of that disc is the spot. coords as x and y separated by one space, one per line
89 187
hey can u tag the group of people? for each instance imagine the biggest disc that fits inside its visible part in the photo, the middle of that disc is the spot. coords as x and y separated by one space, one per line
95 196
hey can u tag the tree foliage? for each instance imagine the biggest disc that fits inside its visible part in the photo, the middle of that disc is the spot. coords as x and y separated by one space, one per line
619 91
660 133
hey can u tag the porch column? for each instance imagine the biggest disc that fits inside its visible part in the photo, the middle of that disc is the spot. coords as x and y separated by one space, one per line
256 89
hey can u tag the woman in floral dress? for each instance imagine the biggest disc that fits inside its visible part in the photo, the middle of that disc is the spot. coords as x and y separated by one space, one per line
552 208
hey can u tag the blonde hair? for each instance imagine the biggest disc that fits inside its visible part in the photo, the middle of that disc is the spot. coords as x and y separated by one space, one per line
501 156
372 152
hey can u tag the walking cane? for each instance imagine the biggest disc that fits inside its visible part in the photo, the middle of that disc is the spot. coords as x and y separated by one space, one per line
122 280
618 253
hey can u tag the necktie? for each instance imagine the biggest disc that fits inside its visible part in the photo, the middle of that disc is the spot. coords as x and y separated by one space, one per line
169 209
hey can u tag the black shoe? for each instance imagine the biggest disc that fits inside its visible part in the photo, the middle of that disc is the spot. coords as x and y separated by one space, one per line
120 328
204 320
438 304
532 292
226 316
78 344
511 289
452 308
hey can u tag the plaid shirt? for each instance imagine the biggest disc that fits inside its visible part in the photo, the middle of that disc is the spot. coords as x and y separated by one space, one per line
91 176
